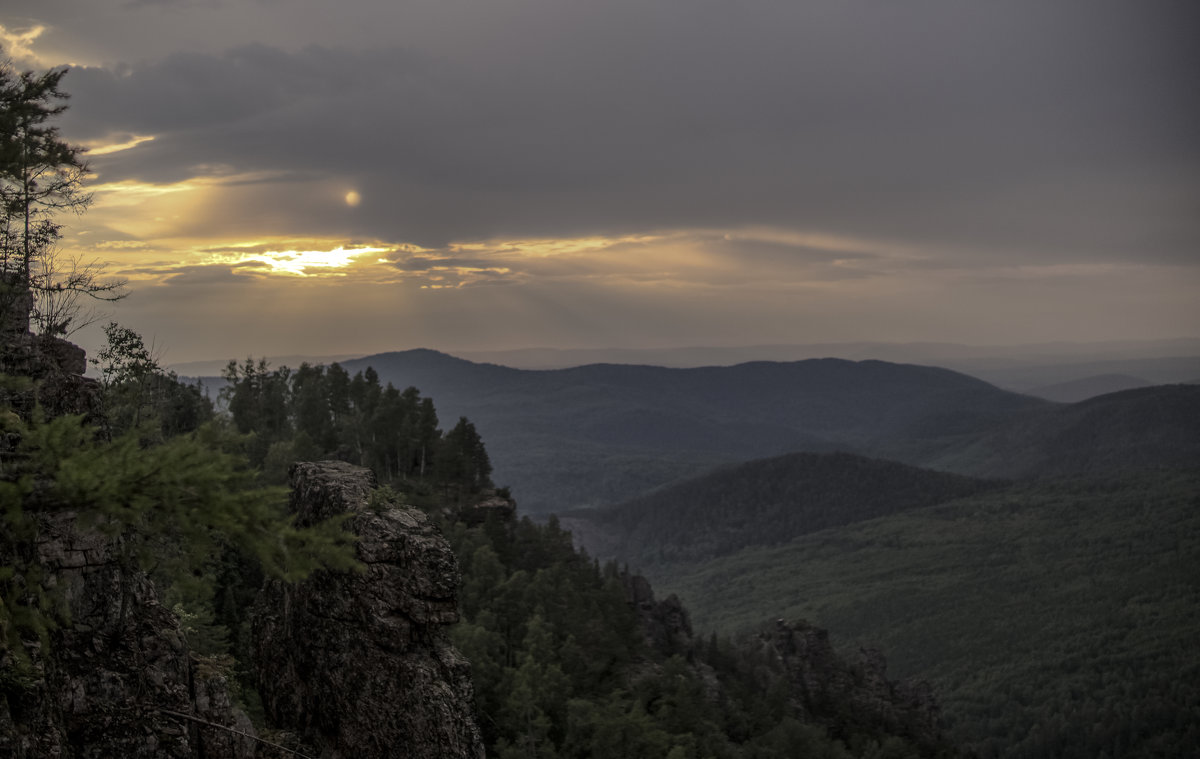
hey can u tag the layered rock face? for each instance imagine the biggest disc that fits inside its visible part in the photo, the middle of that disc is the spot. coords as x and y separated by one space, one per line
358 664
355 663
101 686
106 686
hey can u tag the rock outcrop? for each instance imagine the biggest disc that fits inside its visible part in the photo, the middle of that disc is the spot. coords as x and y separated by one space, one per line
859 694
358 664
113 680
491 505
665 623
54 366
823 687
116 678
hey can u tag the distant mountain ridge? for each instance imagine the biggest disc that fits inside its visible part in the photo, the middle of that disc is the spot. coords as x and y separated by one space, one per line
1130 430
603 433
1021 368
954 355
1074 391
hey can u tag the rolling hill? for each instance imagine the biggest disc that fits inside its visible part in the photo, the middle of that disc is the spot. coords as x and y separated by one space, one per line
759 503
604 433
1082 389
1125 431
1052 618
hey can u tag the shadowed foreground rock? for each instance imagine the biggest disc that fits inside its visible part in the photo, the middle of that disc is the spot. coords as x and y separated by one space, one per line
100 691
117 680
358 664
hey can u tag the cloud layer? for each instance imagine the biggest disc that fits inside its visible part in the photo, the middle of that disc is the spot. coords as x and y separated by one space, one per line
703 144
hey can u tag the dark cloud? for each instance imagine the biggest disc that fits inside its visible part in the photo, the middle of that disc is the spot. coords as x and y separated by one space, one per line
204 275
423 263
1013 131
902 146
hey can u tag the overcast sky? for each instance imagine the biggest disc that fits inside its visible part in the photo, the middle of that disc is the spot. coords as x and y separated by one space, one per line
302 176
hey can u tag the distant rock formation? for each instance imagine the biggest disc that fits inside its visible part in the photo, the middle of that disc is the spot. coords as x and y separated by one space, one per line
823 684
358 664
665 623
491 504
823 687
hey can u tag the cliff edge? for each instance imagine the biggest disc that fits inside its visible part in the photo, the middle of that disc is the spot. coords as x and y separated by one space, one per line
358 663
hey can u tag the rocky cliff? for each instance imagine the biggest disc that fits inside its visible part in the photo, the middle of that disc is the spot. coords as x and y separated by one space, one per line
115 678
358 664
118 679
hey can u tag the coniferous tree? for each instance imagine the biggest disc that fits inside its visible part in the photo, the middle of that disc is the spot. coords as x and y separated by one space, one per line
41 175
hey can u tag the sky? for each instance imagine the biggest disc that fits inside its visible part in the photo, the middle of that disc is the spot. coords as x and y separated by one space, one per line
306 177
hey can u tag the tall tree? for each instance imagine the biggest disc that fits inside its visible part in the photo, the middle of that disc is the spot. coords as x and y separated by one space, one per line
463 460
41 175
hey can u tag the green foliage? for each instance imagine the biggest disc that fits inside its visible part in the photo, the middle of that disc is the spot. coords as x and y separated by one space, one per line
562 667
764 502
1053 619
138 392
318 412
177 507
463 461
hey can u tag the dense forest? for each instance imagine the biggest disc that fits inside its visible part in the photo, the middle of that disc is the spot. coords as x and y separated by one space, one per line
762 502
1054 619
566 658
317 412
561 663
565 667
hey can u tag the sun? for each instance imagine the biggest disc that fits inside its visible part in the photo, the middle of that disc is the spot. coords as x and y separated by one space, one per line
353 198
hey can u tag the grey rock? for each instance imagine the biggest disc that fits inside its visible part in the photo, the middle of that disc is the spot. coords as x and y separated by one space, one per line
358 663
100 689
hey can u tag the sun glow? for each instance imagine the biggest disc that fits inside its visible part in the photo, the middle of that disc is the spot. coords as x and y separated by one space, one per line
99 147
301 263
18 43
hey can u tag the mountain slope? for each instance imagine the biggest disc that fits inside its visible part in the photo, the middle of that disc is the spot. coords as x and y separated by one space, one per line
605 433
1069 607
1084 388
759 503
1129 430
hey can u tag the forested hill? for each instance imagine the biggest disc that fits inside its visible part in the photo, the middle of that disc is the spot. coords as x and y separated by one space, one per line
1125 431
760 503
605 433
